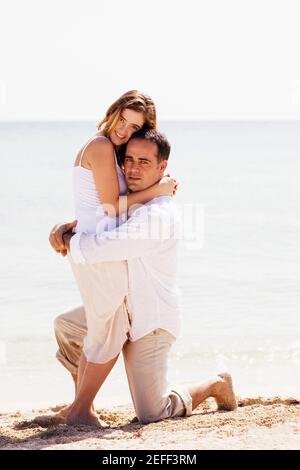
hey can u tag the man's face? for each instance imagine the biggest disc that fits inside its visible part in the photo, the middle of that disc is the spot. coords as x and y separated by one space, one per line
141 166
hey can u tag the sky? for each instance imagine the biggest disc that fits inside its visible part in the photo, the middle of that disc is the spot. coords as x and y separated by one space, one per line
212 59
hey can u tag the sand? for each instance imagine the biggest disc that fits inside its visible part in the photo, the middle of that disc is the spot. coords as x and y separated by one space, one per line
258 423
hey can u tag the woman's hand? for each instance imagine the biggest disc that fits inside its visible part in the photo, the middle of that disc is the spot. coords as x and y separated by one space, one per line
167 186
56 237
67 239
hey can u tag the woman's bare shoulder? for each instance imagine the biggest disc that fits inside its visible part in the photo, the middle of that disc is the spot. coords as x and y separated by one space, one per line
100 146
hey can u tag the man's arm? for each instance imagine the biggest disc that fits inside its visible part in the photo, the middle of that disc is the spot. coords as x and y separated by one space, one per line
141 235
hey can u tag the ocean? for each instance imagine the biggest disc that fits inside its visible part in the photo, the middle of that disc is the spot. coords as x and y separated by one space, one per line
240 296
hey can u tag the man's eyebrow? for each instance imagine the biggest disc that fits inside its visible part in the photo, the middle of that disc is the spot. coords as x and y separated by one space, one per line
144 159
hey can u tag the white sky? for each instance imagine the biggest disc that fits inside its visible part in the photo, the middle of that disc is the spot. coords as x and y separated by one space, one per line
225 59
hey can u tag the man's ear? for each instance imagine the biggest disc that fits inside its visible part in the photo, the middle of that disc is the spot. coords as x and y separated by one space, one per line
163 165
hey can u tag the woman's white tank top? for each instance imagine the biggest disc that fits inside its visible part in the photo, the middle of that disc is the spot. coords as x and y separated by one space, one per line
89 211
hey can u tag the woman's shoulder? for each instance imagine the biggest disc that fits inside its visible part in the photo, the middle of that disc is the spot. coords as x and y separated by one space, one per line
101 141
100 146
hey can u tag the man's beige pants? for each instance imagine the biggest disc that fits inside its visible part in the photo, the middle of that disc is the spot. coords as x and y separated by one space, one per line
146 363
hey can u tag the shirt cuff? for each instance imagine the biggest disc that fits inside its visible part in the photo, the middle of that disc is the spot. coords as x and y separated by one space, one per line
75 250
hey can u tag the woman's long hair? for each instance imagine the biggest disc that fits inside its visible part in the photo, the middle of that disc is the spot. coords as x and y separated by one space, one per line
134 100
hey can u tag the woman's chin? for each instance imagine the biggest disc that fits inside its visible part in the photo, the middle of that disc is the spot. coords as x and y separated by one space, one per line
113 140
116 140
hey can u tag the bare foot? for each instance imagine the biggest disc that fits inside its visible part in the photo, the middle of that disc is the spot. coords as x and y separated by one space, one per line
64 412
88 418
224 393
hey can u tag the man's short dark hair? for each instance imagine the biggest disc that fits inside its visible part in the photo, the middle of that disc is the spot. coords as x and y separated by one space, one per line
152 135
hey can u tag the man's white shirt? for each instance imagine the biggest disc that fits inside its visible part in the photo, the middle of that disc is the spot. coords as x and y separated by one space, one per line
148 240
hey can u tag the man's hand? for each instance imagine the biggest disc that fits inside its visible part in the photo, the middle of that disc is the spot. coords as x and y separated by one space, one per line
57 236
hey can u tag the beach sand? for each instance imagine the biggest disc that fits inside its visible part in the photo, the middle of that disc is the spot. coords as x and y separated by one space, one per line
258 423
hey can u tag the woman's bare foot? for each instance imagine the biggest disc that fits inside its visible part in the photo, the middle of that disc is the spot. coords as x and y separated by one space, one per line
88 418
224 393
64 412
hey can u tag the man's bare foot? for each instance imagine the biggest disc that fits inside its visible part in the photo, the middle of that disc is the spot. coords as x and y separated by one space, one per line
88 418
224 393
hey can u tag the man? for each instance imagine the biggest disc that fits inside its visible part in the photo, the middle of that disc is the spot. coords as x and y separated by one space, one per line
148 240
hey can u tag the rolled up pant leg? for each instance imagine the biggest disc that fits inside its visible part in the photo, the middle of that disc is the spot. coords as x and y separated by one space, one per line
70 329
146 362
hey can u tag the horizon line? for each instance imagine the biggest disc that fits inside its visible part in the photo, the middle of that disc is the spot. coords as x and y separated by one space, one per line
80 121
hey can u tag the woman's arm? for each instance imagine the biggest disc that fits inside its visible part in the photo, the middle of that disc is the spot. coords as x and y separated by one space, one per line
101 159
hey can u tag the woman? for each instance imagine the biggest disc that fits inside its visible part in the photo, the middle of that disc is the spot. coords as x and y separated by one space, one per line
100 196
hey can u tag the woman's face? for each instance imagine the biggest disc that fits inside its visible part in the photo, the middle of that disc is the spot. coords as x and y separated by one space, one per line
130 121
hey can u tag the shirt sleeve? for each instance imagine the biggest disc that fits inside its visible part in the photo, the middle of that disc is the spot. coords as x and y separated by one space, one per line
140 236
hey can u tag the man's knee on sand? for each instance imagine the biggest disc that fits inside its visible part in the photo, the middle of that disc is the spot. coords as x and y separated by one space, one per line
153 411
146 418
165 406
